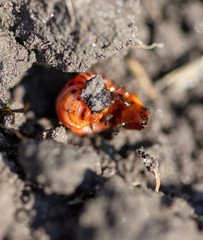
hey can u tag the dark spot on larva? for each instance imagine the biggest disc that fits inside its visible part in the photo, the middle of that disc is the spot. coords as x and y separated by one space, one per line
83 113
73 91
81 82
70 84
78 99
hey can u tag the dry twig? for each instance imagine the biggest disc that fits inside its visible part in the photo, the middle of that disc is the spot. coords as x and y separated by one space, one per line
143 78
137 43
184 77
69 6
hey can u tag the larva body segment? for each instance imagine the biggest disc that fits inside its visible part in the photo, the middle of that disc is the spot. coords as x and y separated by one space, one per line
72 111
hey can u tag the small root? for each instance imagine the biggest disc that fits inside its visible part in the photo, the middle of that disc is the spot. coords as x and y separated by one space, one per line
69 6
137 43
152 165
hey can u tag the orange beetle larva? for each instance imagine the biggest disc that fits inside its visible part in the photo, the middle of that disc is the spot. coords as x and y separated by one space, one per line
125 109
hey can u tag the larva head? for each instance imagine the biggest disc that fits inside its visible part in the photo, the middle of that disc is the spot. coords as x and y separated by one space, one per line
130 113
139 119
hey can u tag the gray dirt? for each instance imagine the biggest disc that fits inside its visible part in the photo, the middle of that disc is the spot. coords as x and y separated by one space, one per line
57 185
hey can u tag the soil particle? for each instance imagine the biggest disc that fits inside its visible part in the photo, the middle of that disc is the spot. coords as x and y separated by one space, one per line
195 113
96 95
14 60
72 36
59 168
58 134
10 190
122 213
7 207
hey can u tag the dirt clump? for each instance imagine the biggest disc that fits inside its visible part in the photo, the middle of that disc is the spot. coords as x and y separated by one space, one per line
57 185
